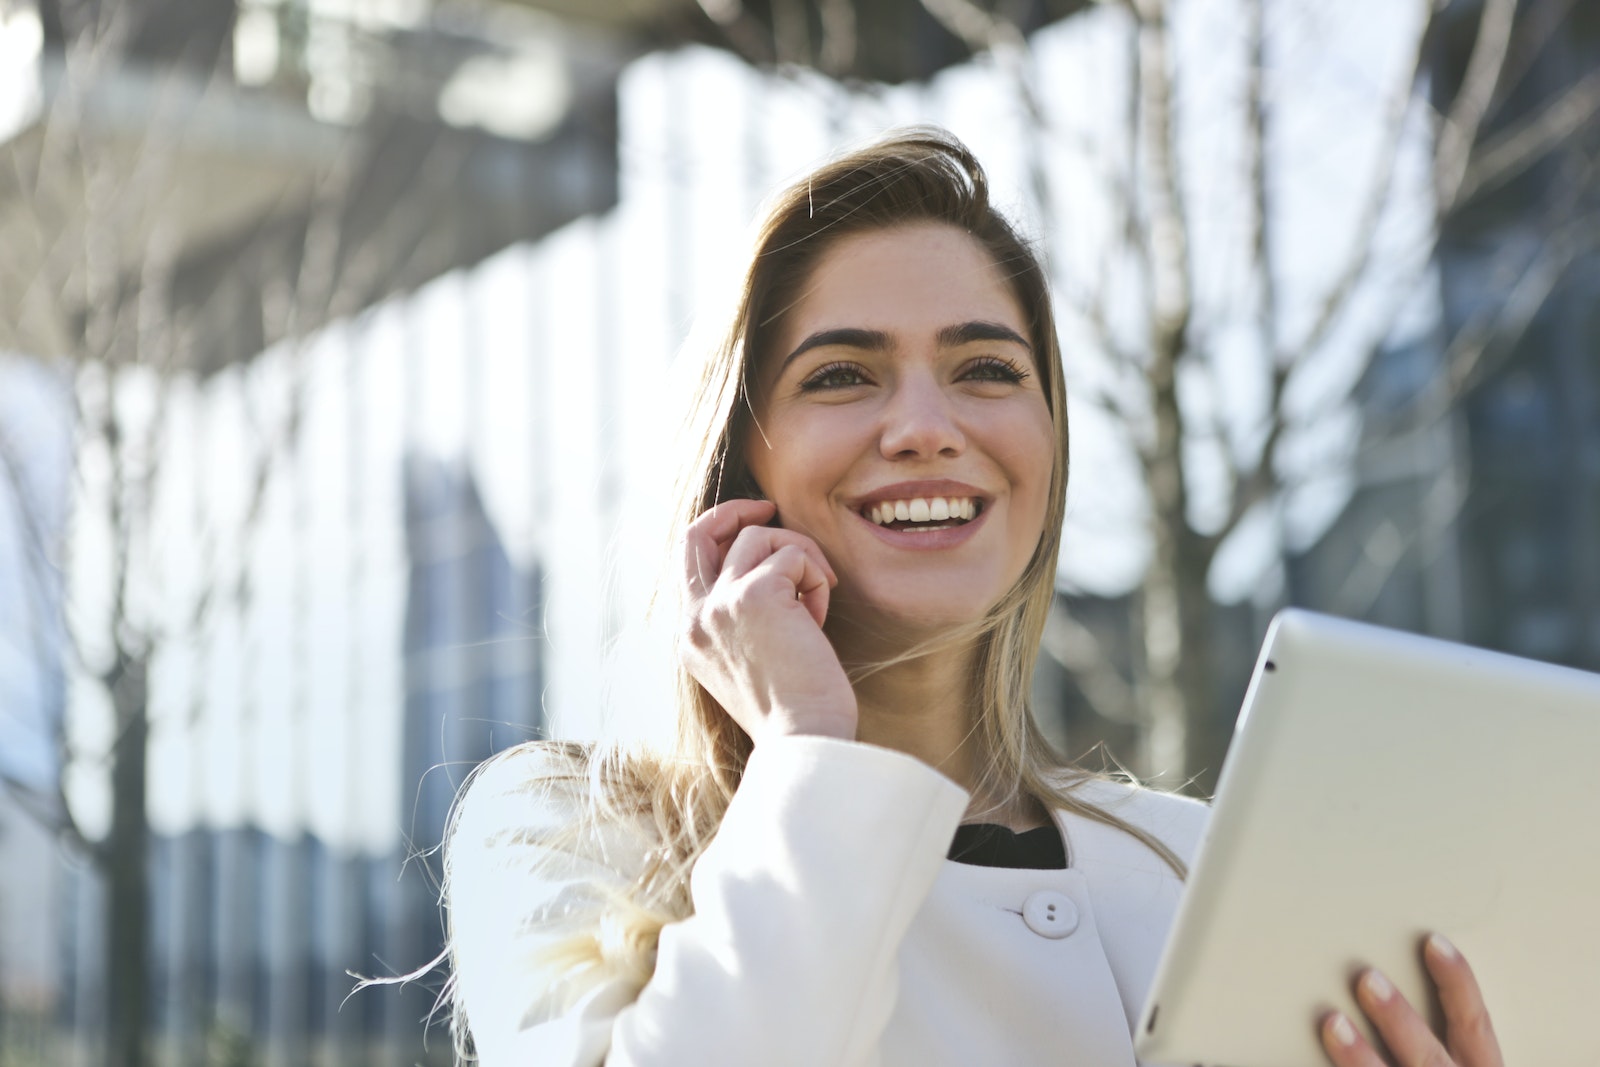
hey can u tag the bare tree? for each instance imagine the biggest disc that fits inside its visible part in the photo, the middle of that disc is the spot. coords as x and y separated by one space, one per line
1477 143
133 277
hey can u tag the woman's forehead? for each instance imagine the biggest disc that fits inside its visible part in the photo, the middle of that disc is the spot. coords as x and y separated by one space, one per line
906 281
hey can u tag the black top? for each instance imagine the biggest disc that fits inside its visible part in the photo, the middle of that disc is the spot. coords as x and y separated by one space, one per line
989 845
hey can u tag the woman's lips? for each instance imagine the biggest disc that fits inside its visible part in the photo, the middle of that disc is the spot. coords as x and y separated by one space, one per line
932 536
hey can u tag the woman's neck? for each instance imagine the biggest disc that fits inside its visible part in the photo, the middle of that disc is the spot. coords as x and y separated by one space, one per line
923 707
926 707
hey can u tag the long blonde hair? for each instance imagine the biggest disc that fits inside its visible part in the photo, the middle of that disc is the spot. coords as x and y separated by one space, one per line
676 798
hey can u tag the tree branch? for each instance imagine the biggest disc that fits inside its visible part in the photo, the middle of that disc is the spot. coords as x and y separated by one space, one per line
1258 207
1458 133
1497 329
1260 481
1250 487
1514 151
1337 299
1168 245
1476 351
1126 236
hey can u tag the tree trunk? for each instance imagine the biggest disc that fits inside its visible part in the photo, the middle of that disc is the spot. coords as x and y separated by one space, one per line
126 868
1206 739
1175 605
1166 704
1174 608
1184 738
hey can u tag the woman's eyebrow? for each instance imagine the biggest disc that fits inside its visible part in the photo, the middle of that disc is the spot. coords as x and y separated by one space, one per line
967 332
878 341
845 336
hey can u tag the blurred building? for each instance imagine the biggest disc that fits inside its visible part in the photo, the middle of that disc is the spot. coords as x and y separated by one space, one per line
475 682
30 964
413 145
515 259
254 933
33 694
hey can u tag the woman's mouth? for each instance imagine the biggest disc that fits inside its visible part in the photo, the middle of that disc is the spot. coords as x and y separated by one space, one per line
923 513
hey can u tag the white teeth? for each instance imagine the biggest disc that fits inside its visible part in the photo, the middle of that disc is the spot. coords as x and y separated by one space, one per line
922 509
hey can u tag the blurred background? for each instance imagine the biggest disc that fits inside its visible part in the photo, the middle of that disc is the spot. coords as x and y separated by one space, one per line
336 356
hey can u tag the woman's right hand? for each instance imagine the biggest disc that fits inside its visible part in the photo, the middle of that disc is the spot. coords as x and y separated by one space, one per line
1468 1039
754 602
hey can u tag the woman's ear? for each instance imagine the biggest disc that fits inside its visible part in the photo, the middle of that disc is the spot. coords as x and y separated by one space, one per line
744 487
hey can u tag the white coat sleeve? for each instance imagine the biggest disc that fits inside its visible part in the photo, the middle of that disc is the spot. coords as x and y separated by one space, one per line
826 853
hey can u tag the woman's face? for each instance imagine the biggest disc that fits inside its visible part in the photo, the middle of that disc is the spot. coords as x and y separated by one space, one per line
902 425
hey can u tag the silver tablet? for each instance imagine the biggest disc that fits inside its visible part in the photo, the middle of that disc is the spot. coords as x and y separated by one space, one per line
1380 786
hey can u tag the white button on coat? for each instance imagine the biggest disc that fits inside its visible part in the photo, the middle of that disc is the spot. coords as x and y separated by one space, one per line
1050 914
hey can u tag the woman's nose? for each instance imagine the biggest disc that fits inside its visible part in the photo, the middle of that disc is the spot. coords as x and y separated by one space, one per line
920 421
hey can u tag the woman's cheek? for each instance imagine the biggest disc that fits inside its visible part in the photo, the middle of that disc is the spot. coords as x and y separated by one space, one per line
1025 446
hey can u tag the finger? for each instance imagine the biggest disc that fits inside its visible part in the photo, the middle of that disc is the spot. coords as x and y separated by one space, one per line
814 588
1407 1034
706 540
702 562
1344 1044
797 571
724 521
756 543
1469 1034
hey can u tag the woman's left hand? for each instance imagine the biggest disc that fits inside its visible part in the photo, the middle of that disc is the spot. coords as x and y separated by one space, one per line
1468 1039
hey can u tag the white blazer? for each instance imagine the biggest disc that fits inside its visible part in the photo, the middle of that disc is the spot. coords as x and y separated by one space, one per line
829 928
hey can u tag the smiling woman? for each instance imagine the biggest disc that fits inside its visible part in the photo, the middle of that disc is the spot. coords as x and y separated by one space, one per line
859 849
908 387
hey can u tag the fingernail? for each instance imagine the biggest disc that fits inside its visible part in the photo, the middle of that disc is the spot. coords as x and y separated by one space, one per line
1343 1032
1442 947
1377 986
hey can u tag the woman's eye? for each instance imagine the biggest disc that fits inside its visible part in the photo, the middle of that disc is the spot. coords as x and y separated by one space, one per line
994 369
834 376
